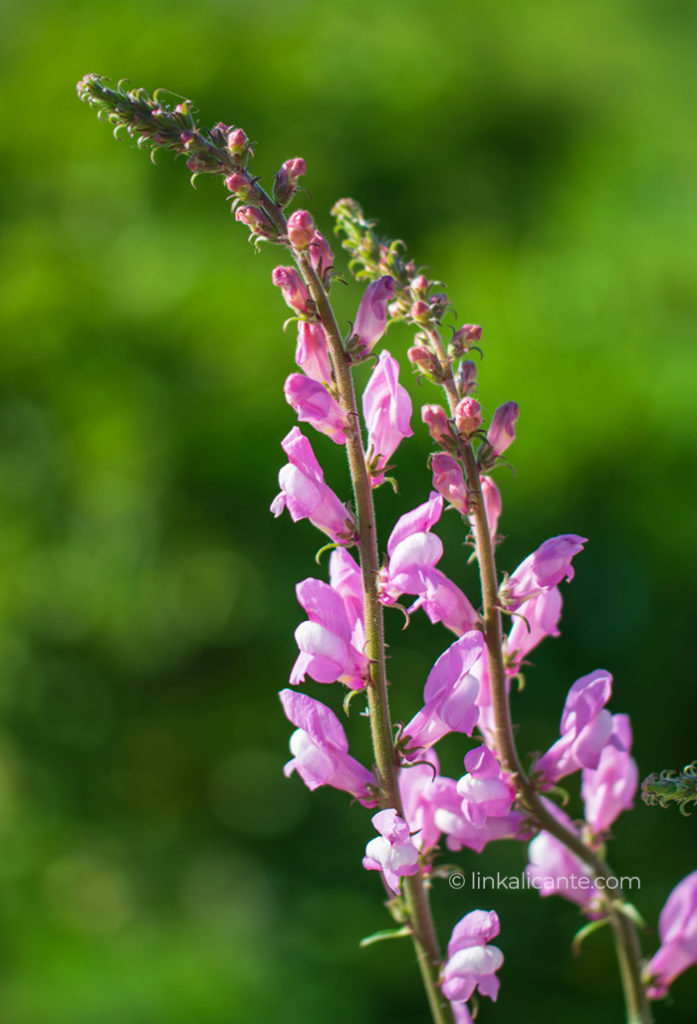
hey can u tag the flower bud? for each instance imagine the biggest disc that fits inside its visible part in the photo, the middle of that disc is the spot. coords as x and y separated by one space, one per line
420 311
237 141
239 183
468 416
466 377
301 229
423 359
439 304
449 481
293 289
257 222
371 318
462 340
420 286
321 258
285 183
435 418
502 430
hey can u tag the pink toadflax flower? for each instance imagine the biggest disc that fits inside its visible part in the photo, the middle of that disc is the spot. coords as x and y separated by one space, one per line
293 290
320 749
393 851
313 404
485 790
311 352
472 963
305 494
449 696
387 413
586 727
677 927
542 570
371 319
610 788
554 869
325 640
449 481
501 433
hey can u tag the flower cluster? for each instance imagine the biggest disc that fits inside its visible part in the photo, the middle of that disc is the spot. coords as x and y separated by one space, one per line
341 640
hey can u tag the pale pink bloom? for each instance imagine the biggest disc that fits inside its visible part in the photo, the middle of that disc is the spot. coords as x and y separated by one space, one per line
448 817
393 851
313 404
293 289
677 927
492 505
485 790
610 788
443 601
387 414
553 868
449 481
542 570
472 963
320 749
305 494
586 727
501 433
311 353
538 619
371 318
449 695
325 640
418 784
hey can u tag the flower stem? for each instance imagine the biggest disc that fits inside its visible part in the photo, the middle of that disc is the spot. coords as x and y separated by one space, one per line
386 759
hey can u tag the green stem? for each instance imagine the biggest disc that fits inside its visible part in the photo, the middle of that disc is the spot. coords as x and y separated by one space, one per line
625 933
386 759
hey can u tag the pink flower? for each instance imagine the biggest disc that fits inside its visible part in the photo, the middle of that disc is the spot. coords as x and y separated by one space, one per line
468 416
485 790
449 818
325 640
311 353
387 413
677 927
436 419
586 727
553 868
313 404
293 290
371 319
501 433
542 570
320 749
449 481
393 852
418 785
541 619
449 695
305 494
413 552
472 963
610 788
301 229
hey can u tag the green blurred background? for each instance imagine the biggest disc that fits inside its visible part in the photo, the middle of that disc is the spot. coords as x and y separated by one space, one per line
540 158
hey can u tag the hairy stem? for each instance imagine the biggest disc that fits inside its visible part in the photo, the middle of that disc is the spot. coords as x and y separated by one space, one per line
386 761
624 929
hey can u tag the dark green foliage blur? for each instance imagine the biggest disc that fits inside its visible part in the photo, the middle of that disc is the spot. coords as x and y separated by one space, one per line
539 158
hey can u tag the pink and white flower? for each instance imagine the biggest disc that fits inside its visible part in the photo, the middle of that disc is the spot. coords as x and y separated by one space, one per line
392 852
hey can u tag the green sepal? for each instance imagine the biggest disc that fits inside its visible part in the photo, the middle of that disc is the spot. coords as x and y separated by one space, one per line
583 933
386 933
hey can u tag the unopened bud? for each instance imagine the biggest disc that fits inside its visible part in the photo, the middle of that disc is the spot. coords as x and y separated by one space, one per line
439 304
293 288
285 183
435 418
449 481
420 312
501 433
237 141
423 359
239 183
466 377
420 286
468 416
301 229
463 339
321 258
257 221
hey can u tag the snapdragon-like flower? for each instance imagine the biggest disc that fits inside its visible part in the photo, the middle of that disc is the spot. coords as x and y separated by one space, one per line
449 696
446 808
485 790
371 319
472 963
554 869
311 352
677 928
313 404
393 851
387 413
305 494
586 727
449 481
413 552
418 787
501 433
538 620
293 289
325 640
542 570
610 788
320 749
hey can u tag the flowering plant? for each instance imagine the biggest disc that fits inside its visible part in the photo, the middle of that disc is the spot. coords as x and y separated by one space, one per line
416 810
